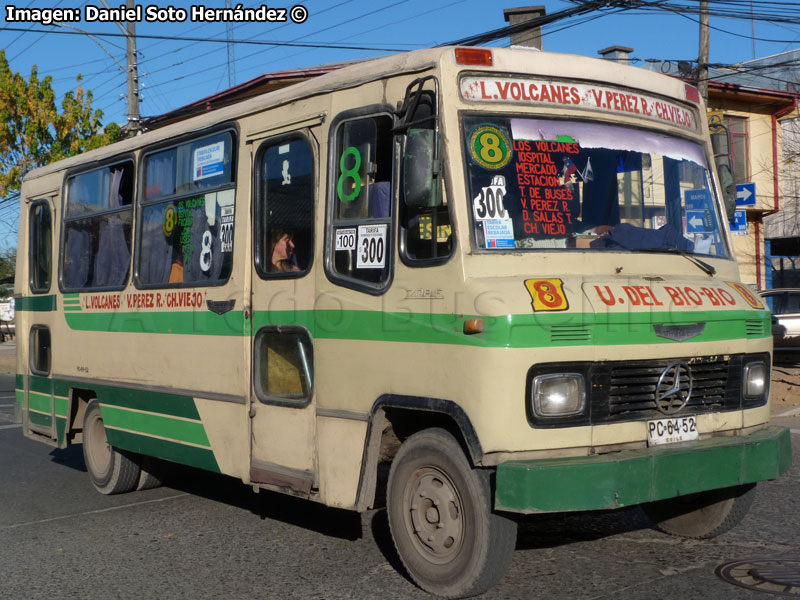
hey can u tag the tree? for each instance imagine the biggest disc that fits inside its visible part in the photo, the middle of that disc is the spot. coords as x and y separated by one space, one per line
33 132
8 263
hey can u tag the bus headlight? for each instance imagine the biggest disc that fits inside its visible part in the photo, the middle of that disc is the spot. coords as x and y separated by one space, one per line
755 379
558 394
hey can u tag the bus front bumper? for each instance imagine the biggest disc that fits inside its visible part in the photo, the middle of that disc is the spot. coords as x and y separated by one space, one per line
632 477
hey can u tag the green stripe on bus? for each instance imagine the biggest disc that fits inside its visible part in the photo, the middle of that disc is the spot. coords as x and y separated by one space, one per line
43 385
515 331
61 426
149 401
20 397
155 425
176 452
40 402
20 381
40 419
185 322
36 303
60 406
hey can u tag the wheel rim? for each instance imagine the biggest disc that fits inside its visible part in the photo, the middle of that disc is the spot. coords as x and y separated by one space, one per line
434 515
98 450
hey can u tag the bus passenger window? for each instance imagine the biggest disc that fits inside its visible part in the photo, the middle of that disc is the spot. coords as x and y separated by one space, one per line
40 350
285 207
361 202
283 365
96 251
187 214
40 247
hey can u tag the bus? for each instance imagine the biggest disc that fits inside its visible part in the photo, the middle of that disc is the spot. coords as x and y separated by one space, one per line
504 277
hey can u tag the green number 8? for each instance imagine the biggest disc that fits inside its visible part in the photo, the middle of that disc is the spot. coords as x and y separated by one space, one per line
351 173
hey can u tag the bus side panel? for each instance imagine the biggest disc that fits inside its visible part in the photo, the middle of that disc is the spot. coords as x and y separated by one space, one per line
340 446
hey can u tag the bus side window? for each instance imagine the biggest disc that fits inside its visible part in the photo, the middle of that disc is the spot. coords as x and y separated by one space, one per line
96 251
40 350
39 244
361 202
187 214
285 207
283 365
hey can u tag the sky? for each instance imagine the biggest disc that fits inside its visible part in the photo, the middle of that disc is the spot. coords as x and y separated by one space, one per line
174 73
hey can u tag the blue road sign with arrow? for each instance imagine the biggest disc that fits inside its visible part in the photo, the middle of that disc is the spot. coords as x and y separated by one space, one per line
745 194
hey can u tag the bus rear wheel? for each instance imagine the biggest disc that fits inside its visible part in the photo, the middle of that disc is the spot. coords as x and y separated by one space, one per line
704 515
440 517
110 470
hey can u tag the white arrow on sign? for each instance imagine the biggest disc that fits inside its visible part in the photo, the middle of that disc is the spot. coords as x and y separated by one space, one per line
743 194
695 221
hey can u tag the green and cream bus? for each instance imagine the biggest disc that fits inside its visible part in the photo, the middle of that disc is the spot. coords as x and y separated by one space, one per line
506 273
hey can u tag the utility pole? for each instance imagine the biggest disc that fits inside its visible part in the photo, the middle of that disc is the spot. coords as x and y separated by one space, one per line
133 75
702 60
231 58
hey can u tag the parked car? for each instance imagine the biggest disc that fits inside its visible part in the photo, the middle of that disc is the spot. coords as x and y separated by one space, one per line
785 306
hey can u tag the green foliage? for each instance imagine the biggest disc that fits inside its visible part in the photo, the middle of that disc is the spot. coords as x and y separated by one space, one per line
33 132
8 264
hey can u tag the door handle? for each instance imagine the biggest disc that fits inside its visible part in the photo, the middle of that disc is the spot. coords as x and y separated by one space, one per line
220 306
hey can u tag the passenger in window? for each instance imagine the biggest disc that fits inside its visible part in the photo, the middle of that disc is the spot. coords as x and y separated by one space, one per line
281 253
380 198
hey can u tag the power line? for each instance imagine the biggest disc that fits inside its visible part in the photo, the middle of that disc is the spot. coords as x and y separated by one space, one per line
213 40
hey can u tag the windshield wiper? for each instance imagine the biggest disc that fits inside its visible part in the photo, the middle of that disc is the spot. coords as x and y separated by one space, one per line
700 264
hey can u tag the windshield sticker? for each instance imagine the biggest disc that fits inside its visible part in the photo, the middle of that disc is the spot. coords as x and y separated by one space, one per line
592 97
491 215
348 186
208 161
169 221
226 228
346 239
547 294
490 147
748 296
371 252
499 233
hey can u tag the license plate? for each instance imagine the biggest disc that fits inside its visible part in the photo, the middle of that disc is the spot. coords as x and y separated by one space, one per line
669 431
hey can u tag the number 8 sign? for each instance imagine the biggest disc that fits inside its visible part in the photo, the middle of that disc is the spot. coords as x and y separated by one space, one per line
547 294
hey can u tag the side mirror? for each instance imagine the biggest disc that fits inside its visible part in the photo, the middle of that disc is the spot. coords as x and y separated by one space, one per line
421 187
728 187
722 159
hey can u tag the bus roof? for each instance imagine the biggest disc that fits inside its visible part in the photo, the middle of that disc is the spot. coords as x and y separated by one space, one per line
505 60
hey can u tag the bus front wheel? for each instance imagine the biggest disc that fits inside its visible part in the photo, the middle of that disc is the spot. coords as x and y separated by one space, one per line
110 471
704 515
440 517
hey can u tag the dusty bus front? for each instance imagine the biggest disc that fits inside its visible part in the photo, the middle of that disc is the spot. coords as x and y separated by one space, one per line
617 358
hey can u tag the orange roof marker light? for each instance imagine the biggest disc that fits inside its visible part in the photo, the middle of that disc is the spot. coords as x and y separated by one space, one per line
474 56
692 94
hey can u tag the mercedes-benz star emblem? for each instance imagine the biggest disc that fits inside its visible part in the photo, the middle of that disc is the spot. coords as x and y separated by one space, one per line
674 388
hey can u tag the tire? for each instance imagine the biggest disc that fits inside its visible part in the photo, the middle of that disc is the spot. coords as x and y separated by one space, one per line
110 470
704 515
456 553
151 473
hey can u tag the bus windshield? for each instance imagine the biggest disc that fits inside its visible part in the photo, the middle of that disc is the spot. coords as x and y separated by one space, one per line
545 183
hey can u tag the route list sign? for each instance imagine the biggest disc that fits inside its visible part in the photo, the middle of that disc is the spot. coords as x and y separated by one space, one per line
547 203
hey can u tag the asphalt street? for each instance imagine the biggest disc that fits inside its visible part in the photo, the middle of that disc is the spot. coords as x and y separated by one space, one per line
208 536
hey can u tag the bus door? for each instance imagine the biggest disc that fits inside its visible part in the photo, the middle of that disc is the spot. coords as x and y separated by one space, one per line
281 406
41 407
